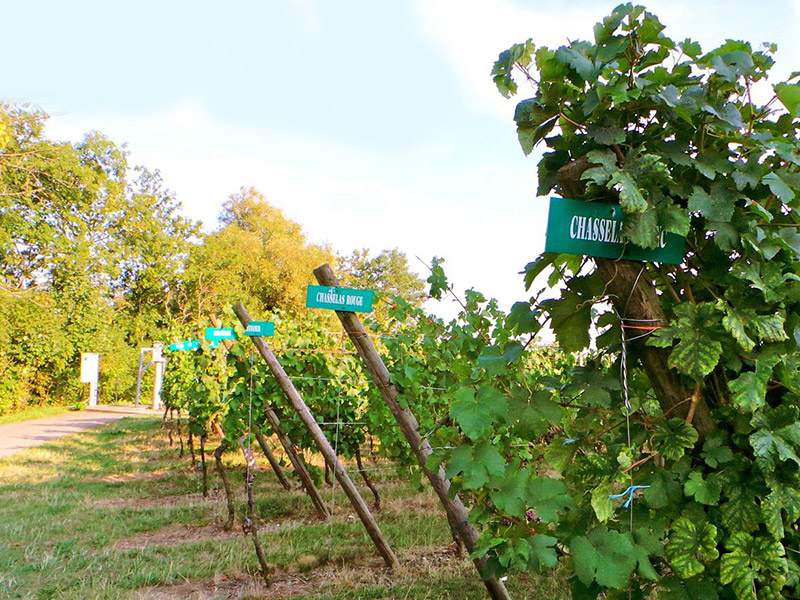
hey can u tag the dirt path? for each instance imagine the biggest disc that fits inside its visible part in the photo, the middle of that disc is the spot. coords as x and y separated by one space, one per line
27 434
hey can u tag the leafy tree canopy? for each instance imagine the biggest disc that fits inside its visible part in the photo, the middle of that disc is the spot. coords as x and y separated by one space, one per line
703 145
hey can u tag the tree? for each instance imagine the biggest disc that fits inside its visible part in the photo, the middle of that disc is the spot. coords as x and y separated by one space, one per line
82 249
258 257
387 273
679 140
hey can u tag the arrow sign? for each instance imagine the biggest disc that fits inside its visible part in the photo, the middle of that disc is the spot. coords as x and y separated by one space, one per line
343 299
260 328
189 345
215 334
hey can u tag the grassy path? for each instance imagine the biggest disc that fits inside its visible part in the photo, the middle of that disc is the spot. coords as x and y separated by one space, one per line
114 513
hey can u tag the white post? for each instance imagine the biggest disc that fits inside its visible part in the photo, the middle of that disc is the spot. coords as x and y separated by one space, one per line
90 368
158 374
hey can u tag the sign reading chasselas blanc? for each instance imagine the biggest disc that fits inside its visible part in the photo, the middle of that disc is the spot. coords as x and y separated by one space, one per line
188 345
260 328
220 333
344 299
595 229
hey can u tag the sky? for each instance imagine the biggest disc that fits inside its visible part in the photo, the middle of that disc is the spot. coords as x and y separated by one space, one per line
372 124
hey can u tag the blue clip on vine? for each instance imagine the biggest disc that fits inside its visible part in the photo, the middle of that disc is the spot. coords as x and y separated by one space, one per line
629 492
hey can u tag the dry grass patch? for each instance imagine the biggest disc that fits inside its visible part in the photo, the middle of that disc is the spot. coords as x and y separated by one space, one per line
327 578
176 535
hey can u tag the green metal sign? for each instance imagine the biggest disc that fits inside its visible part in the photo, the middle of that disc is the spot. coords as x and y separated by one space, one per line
215 334
595 229
260 328
189 345
344 299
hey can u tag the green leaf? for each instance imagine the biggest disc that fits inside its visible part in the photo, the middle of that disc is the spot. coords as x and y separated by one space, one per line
718 207
777 437
534 122
690 546
543 552
749 555
548 496
715 452
783 498
575 56
477 465
558 454
789 95
735 322
778 187
630 198
571 317
642 228
603 556
510 496
664 489
705 491
699 348
605 162
476 415
607 135
749 390
674 437
646 544
601 503
740 512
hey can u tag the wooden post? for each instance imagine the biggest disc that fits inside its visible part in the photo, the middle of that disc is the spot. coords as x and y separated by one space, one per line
273 462
322 443
288 446
457 513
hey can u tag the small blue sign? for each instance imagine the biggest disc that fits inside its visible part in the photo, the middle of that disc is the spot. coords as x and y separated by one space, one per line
215 334
260 329
188 345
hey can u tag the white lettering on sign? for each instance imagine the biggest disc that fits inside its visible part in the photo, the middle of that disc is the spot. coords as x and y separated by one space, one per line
594 229
330 297
355 301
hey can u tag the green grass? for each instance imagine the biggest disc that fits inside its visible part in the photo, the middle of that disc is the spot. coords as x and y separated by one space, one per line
113 513
35 412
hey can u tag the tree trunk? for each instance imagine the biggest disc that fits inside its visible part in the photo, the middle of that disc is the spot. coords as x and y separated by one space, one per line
366 479
225 483
251 526
190 443
633 294
180 434
203 463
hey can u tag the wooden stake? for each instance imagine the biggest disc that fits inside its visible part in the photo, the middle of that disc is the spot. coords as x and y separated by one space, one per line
322 443
273 462
288 446
456 511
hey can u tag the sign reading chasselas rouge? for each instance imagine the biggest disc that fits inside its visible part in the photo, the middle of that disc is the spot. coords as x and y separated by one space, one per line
344 299
595 229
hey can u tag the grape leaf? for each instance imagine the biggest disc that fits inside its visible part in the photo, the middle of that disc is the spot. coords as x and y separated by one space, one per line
777 436
705 491
716 207
673 437
477 414
603 556
548 497
690 546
